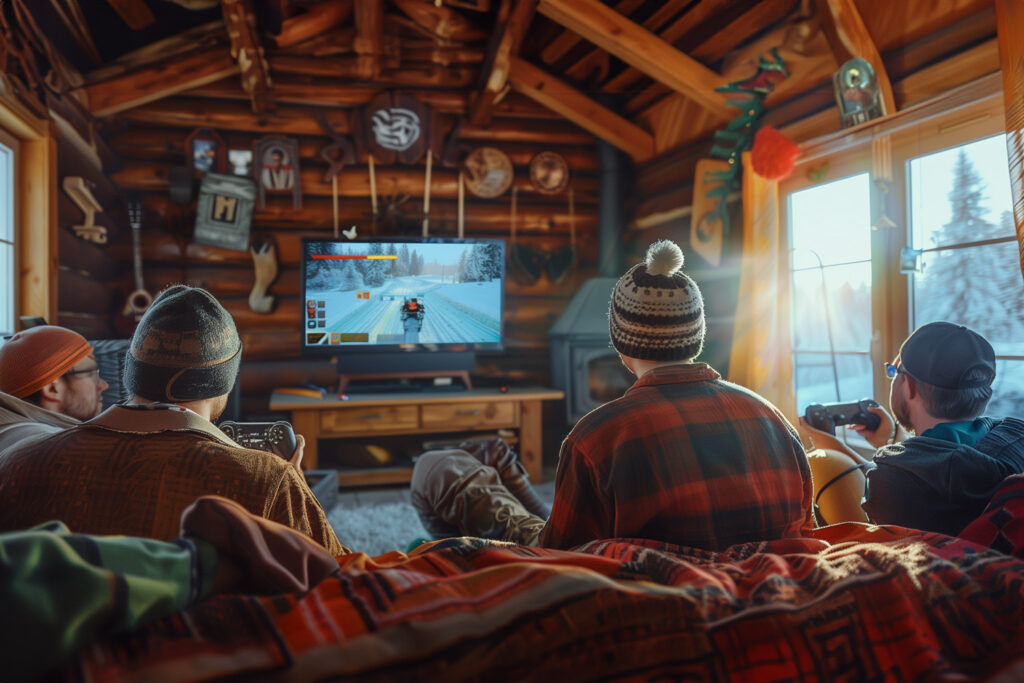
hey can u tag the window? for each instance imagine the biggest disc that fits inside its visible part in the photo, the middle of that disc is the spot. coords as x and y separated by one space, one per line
830 234
8 282
961 218
949 197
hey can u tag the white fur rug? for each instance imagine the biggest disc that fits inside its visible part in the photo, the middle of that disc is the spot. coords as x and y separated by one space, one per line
377 529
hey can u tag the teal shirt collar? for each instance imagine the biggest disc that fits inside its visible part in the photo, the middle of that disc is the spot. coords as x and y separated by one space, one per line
967 433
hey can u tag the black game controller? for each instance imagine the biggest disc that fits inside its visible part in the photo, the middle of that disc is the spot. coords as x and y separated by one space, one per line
275 437
827 416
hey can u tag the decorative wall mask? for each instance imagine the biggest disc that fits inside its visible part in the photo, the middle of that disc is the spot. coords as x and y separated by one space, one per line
488 172
394 127
224 212
549 172
277 169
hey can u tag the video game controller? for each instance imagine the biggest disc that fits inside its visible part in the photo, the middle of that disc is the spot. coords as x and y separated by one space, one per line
275 437
827 416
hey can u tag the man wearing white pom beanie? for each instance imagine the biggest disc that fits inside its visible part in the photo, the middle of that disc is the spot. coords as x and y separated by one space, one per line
682 457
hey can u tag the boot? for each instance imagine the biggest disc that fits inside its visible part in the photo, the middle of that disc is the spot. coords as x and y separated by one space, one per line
499 455
455 495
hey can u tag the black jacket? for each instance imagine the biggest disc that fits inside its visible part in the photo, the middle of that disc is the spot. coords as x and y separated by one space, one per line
937 485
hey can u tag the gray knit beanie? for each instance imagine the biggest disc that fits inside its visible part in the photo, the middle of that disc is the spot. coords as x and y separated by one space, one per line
185 348
656 312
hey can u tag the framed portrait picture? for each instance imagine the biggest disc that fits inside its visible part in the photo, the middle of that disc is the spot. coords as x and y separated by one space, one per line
205 151
277 169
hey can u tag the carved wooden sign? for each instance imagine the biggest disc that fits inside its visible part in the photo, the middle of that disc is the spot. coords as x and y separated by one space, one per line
224 212
395 127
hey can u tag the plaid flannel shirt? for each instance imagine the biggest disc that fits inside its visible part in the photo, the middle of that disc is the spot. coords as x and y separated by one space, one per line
682 457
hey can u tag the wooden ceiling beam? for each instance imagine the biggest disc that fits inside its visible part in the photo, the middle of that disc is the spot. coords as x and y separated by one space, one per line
70 14
156 82
247 50
369 42
205 36
849 37
135 13
513 20
637 46
652 23
567 39
315 21
580 109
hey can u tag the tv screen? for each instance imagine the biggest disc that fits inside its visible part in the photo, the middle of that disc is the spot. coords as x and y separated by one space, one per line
431 294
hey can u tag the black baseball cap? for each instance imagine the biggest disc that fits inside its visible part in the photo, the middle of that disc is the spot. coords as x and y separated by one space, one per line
948 356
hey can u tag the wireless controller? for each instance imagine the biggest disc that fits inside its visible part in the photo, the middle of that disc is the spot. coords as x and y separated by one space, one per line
828 416
275 437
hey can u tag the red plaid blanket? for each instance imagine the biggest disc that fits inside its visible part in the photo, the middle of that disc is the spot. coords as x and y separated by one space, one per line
855 603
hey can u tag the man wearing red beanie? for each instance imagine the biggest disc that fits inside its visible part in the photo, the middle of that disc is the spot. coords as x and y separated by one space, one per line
48 382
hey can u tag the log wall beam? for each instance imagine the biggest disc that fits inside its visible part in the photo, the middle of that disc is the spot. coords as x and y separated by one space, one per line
247 51
580 109
513 20
157 82
640 48
849 37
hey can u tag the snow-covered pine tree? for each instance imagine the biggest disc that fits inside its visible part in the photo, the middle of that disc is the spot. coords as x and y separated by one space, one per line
349 277
956 285
491 265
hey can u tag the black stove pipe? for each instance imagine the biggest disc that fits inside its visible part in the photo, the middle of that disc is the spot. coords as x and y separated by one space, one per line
609 210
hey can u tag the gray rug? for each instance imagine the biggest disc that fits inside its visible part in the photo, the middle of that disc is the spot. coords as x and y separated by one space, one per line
377 529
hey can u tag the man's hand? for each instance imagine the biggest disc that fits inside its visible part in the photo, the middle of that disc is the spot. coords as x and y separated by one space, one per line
296 459
879 436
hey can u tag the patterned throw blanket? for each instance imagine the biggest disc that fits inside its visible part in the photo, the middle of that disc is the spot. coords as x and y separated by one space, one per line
855 603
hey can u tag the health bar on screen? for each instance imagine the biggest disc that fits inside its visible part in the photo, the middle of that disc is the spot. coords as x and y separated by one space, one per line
361 257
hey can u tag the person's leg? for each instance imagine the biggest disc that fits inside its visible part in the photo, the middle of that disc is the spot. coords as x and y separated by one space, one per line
456 495
499 455
838 486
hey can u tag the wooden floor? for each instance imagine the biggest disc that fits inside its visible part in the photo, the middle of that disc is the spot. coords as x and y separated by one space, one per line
378 495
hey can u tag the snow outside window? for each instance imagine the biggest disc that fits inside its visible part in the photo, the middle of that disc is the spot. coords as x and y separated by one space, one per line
7 272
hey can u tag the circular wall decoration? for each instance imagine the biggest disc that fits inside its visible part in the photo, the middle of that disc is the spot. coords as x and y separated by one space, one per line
488 172
549 172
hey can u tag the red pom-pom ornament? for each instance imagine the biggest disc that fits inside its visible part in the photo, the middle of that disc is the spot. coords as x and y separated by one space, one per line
773 155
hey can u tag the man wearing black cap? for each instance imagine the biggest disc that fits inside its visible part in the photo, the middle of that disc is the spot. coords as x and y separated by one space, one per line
941 478
134 468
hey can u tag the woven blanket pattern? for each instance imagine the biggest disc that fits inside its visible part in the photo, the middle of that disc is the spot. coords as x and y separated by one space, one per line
855 603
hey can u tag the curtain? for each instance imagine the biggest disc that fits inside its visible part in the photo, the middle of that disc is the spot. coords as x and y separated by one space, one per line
1010 22
762 354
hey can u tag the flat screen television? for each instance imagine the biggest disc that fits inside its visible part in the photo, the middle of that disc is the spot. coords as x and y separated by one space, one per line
393 306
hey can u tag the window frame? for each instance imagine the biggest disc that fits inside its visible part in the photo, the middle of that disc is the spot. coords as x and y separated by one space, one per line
12 143
883 148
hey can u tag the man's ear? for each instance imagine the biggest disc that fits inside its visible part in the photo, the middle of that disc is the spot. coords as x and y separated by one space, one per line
53 391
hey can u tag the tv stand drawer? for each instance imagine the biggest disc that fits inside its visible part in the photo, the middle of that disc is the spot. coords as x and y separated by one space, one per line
363 420
473 415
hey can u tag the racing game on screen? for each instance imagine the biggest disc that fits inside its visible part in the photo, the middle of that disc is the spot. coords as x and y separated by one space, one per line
402 293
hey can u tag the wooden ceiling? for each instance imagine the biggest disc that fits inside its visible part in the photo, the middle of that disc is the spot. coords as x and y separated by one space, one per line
640 74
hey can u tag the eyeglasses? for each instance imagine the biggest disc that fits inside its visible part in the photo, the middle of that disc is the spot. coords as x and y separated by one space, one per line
892 370
85 372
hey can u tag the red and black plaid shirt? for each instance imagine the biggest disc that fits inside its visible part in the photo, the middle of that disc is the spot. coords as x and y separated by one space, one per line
682 457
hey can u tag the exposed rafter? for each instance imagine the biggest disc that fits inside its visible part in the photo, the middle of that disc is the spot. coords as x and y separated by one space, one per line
637 46
135 13
315 21
248 52
567 39
513 20
134 89
580 109
369 42
849 37
74 21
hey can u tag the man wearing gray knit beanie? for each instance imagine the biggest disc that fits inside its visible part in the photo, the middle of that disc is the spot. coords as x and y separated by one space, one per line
682 457
133 469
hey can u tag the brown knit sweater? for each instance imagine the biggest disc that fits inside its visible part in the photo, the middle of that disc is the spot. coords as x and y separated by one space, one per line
98 479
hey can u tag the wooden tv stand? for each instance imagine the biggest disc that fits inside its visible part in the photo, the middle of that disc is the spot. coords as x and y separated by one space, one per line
426 412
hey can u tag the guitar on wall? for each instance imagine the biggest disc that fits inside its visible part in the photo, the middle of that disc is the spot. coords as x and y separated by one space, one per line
140 299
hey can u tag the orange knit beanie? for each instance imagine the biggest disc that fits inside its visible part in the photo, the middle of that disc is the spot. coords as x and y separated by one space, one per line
33 358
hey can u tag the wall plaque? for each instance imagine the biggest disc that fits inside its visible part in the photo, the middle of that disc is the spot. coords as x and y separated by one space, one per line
277 169
395 127
224 211
488 172
549 172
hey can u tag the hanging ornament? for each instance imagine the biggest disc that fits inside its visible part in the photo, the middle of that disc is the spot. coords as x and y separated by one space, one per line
773 155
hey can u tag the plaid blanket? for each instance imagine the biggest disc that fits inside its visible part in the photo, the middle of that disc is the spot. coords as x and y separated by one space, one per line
856 602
